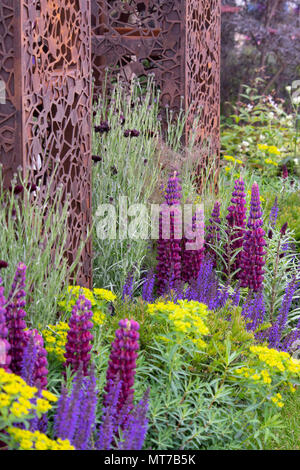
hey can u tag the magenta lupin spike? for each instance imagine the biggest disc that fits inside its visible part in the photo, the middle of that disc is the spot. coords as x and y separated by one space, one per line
79 337
252 258
236 220
169 249
4 344
15 319
122 362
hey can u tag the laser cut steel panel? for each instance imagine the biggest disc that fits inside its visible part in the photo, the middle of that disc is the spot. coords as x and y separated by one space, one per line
138 37
203 47
52 51
177 40
10 93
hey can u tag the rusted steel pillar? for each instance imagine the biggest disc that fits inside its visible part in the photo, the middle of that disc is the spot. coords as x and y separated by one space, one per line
45 63
178 41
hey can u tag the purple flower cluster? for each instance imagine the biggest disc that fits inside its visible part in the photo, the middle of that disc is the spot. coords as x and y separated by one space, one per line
274 213
15 319
79 337
75 415
128 288
275 333
131 133
192 259
4 344
169 245
148 287
253 311
122 362
34 364
252 257
102 128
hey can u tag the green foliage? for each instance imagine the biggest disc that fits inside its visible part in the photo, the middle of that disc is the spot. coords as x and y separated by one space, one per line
33 230
131 167
260 133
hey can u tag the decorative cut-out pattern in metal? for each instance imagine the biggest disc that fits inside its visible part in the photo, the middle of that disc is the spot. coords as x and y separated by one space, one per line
178 41
45 62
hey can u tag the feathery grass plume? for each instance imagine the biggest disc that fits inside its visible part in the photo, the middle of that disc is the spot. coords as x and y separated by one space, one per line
79 337
252 257
15 318
168 268
122 362
236 220
212 236
4 344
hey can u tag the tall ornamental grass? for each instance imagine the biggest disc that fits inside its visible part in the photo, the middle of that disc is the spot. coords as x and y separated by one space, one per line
34 231
131 158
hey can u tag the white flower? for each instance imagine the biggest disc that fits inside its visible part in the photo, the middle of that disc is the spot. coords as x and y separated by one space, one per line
288 89
296 100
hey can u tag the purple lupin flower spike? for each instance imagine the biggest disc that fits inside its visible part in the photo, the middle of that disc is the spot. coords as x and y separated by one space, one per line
192 259
79 337
15 318
4 344
252 258
274 213
122 361
213 232
40 370
169 250
236 220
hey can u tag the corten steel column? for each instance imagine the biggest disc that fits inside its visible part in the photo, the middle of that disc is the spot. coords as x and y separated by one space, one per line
178 41
47 73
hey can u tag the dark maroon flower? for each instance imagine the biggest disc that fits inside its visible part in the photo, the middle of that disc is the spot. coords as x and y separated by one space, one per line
113 170
31 187
283 228
127 133
122 119
96 158
285 172
103 127
3 264
270 234
134 133
18 189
